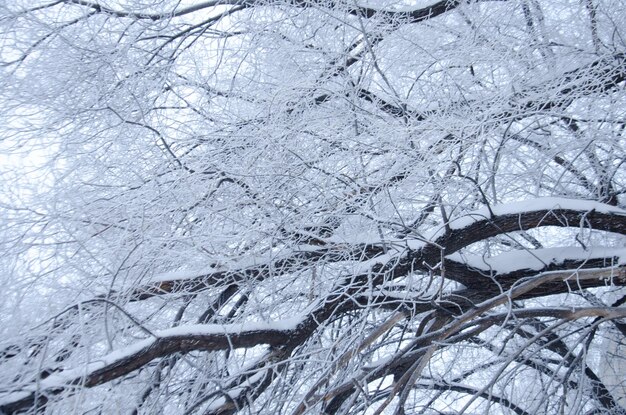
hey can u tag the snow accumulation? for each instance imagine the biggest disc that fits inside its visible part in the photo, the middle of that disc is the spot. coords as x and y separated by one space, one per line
537 259
187 274
67 376
230 329
184 274
527 206
532 205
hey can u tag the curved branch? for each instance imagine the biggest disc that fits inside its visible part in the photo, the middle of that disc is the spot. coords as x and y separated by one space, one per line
412 16
181 339
480 225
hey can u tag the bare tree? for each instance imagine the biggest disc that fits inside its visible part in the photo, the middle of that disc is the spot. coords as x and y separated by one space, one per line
297 206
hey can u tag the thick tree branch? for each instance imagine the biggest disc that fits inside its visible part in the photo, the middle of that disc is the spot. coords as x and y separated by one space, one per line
177 340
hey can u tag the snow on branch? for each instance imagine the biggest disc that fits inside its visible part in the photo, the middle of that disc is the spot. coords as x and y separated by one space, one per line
529 262
412 15
182 339
464 230
488 222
